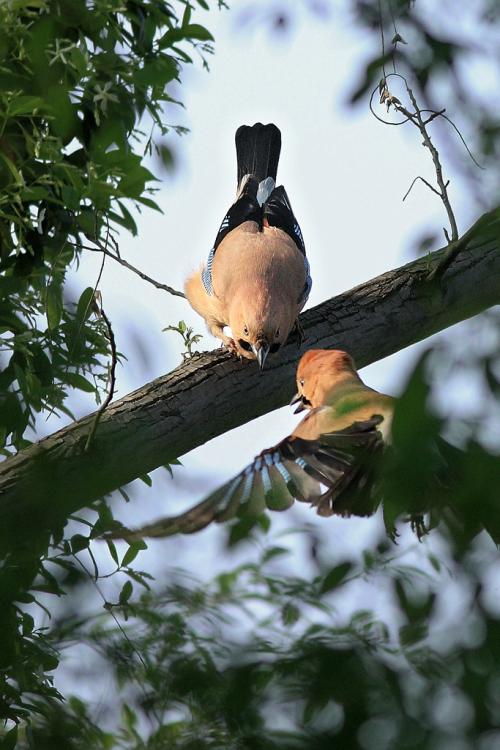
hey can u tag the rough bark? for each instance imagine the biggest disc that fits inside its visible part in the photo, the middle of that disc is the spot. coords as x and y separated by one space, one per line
212 392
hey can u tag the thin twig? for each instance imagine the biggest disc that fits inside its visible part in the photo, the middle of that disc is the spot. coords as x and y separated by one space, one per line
423 180
141 274
382 36
395 32
434 115
80 327
462 139
437 165
112 379
419 122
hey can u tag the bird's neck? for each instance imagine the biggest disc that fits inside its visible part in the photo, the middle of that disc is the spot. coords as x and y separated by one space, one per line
345 386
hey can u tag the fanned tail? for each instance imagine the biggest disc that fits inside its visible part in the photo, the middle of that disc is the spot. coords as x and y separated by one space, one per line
258 199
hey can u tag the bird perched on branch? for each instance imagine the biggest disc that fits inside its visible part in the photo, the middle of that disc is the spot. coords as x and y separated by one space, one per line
256 279
327 461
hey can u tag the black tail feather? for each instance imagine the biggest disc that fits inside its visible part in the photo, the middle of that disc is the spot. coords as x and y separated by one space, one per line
258 151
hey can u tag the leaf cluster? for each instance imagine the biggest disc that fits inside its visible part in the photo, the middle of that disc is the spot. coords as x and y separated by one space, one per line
77 80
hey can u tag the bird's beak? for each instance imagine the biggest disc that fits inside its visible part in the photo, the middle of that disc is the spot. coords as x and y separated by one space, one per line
261 351
297 399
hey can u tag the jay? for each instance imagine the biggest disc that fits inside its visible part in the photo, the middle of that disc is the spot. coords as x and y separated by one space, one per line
256 279
328 461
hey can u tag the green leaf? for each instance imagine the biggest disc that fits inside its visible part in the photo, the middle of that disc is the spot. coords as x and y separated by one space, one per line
9 741
335 577
132 552
78 381
195 31
129 716
125 593
53 305
186 17
28 624
127 219
290 614
84 307
16 174
24 104
79 542
269 554
112 550
149 203
157 72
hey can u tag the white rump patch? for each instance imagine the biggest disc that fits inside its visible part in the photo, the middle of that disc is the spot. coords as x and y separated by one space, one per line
265 189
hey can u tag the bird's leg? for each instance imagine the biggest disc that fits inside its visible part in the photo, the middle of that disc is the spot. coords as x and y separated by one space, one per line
216 328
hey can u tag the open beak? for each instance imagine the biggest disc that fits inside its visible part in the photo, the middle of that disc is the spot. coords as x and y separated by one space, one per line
261 351
297 399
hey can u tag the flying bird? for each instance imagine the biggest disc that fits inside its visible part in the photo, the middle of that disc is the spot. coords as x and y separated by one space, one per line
256 279
328 461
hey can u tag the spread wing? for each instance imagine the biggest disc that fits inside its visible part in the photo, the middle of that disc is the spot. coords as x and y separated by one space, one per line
332 473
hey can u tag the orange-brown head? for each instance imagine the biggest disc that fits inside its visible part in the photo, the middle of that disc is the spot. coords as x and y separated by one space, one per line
260 324
320 372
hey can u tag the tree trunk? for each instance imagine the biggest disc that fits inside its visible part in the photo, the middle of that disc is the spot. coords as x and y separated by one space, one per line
213 392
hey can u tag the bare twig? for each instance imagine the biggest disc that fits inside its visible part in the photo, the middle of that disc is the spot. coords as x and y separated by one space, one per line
101 249
382 36
112 378
80 327
418 120
462 139
437 165
424 181
434 115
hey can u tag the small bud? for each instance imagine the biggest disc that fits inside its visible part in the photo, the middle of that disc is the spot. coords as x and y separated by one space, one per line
398 38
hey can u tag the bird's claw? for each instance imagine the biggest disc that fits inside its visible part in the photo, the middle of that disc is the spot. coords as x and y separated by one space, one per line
231 347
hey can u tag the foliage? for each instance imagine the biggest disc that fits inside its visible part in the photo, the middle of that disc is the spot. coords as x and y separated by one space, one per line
189 339
76 81
263 658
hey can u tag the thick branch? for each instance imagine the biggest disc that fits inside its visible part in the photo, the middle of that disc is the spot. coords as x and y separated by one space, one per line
212 392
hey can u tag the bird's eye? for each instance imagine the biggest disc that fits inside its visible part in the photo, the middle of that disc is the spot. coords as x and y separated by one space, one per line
245 330
301 381
274 348
245 345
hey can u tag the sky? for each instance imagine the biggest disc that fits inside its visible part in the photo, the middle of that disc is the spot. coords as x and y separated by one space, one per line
346 175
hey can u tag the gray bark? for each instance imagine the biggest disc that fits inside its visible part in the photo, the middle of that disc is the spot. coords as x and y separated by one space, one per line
213 392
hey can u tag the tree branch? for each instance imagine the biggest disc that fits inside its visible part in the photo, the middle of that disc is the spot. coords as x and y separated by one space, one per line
213 392
104 250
